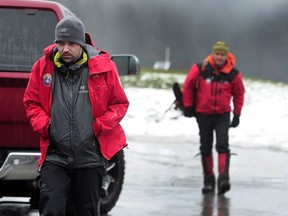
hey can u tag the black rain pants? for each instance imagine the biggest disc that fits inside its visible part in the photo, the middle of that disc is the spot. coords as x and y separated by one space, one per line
58 183
207 125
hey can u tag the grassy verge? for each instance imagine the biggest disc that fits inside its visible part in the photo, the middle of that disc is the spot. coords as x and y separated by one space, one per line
149 78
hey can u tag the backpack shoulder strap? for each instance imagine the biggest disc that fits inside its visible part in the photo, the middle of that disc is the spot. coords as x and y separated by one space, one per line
202 68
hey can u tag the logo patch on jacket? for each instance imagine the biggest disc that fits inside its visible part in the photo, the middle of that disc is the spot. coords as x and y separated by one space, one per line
83 89
47 79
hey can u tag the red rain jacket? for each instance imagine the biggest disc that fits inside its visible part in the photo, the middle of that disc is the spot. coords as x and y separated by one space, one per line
108 100
209 96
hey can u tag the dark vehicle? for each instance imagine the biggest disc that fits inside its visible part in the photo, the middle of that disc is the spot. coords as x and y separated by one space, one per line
26 28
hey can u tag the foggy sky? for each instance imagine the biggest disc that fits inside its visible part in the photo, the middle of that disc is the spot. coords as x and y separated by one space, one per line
256 31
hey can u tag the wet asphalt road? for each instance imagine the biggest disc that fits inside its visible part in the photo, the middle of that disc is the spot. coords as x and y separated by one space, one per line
163 178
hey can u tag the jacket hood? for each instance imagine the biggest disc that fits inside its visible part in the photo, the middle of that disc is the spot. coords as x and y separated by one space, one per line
49 49
101 63
230 64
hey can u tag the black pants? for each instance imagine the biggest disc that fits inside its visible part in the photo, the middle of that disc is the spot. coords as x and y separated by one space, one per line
207 125
58 183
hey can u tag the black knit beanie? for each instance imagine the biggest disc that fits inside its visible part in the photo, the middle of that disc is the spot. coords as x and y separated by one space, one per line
70 29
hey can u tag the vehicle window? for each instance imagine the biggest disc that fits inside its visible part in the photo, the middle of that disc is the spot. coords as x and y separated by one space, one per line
24 34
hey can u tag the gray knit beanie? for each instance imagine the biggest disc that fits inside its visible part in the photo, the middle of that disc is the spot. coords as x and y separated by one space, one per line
70 29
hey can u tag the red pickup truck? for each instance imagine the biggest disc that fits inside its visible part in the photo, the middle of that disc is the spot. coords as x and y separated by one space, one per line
26 27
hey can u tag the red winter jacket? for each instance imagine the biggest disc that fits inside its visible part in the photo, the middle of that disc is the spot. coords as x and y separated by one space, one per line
108 100
211 91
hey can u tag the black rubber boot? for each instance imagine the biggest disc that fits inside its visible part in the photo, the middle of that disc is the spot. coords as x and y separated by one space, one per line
223 184
209 184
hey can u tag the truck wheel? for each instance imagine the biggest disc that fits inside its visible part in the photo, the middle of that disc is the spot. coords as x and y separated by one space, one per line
112 182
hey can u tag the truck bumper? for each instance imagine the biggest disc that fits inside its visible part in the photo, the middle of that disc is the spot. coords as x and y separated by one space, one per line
20 166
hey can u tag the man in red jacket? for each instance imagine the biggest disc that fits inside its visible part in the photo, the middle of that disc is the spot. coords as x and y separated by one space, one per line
75 101
207 93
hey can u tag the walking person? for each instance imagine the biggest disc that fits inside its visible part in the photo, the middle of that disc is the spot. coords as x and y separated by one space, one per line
75 101
208 90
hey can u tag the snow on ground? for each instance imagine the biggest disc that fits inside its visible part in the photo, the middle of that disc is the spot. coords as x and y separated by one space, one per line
262 123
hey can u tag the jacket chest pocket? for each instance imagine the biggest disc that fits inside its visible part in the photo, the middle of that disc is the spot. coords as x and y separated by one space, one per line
100 94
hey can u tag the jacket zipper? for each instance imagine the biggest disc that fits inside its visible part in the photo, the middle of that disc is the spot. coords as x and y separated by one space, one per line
215 96
71 118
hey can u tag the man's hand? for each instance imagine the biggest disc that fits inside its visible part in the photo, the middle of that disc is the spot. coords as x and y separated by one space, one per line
189 112
235 121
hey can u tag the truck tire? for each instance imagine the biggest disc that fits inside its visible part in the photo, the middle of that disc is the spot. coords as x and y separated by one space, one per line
112 182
